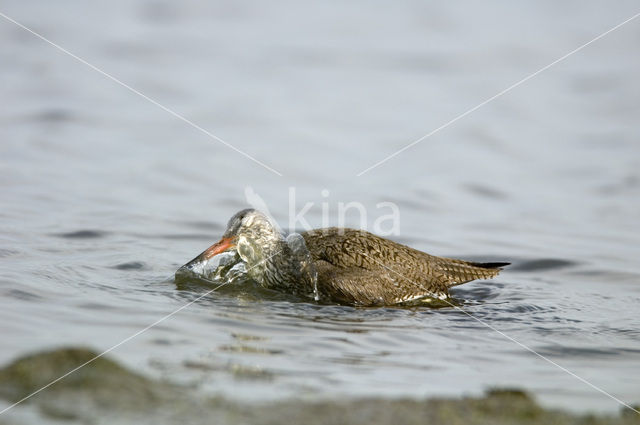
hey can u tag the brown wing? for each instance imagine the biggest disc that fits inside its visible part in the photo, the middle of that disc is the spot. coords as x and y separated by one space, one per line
373 267
366 265
360 286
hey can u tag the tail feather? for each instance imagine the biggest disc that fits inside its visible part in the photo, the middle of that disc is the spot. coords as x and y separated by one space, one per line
489 265
458 272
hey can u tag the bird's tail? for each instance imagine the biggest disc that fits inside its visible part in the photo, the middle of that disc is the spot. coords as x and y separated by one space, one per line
460 271
497 265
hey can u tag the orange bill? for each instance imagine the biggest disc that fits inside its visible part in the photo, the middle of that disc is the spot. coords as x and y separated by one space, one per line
221 246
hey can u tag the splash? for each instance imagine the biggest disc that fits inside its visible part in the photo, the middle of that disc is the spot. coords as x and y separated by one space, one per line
226 266
307 270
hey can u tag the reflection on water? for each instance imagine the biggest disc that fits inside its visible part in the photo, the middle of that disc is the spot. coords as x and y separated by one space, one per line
104 195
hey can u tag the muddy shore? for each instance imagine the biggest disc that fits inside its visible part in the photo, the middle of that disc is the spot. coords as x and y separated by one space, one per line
103 392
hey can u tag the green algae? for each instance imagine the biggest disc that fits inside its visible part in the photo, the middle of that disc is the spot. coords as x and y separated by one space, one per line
103 392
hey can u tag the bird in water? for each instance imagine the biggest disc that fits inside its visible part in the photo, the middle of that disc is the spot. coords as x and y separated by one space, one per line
338 265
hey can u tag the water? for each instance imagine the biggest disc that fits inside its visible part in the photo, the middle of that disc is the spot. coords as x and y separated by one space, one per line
105 195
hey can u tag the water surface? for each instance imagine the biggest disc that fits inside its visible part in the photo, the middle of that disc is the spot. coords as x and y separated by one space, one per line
104 194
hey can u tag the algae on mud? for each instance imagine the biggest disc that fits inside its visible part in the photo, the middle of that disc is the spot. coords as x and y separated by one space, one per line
103 392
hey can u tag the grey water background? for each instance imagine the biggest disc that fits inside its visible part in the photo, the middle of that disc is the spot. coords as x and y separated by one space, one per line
104 194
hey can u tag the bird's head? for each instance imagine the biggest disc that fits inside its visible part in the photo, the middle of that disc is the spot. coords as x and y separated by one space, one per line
250 237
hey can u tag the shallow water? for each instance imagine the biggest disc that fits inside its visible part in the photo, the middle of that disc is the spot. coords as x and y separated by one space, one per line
104 194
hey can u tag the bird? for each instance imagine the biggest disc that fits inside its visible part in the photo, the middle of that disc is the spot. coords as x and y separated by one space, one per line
338 265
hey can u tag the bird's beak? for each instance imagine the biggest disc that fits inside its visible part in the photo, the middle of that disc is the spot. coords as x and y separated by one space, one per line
223 245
